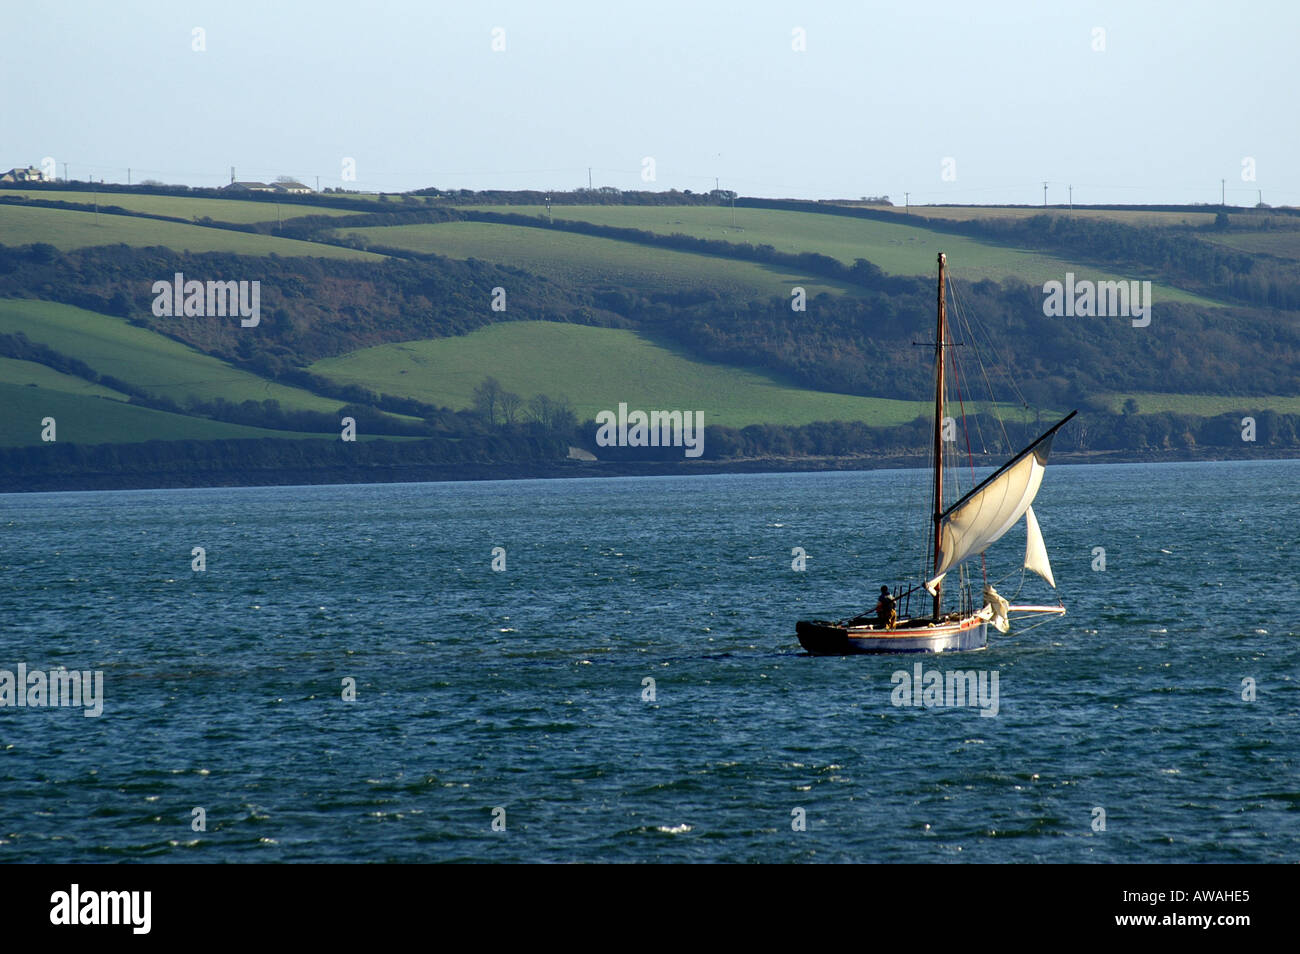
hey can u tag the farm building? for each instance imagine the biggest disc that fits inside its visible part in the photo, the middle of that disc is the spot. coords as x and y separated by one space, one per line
290 186
30 174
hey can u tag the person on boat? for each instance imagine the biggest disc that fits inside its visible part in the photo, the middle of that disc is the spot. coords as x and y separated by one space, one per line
886 611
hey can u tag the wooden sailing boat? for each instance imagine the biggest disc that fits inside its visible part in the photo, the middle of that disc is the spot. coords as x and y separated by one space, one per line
959 531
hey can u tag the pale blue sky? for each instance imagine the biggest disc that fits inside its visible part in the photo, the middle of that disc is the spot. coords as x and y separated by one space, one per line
1013 92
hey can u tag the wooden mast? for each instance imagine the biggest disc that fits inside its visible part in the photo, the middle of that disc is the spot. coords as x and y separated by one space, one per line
939 336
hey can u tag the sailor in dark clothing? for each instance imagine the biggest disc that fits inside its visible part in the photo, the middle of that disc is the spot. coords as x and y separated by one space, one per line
886 611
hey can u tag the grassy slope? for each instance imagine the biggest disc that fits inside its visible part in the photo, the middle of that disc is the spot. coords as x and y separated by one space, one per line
31 374
82 419
151 361
1126 216
1203 405
596 368
69 230
1281 243
239 212
898 249
587 260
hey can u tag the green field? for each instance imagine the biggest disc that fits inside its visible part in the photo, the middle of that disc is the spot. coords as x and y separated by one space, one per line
68 230
587 260
965 213
897 249
150 361
1203 405
236 211
1282 243
596 368
31 374
81 419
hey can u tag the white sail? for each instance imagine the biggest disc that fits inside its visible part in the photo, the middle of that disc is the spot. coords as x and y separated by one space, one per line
1035 552
981 517
995 609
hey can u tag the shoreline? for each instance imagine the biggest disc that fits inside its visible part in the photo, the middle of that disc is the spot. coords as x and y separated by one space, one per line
559 470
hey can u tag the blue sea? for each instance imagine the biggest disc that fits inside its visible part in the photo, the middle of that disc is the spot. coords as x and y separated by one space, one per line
507 715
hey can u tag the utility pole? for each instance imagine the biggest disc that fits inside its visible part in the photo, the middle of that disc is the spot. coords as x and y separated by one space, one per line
907 203
318 183
1044 195
1261 196
589 178
65 173
128 175
1071 198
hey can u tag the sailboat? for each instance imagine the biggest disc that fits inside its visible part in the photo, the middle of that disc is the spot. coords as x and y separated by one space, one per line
959 531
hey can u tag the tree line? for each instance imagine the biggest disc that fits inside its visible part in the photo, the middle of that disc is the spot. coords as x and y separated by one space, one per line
1092 431
498 408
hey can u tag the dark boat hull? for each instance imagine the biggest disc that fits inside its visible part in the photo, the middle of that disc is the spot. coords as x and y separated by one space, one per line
821 638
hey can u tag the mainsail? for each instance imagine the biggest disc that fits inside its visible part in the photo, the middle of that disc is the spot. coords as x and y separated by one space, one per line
981 517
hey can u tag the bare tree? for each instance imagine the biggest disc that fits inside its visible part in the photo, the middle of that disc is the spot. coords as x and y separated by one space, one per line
554 414
487 401
510 404
564 418
539 409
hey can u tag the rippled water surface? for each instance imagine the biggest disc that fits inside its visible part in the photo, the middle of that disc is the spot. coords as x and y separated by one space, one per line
523 690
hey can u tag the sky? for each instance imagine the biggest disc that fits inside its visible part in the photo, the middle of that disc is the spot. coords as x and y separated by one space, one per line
980 102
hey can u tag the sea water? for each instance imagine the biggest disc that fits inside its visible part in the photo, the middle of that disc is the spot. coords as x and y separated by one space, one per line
606 670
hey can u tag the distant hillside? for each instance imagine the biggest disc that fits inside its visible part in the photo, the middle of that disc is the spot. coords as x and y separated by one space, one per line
593 262
238 211
771 317
596 368
65 230
84 418
894 248
157 364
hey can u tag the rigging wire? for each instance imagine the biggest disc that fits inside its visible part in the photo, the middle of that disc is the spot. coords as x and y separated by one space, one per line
977 331
980 337
1020 631
970 456
966 324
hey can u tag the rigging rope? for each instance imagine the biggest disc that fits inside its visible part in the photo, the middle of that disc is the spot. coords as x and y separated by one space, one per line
961 402
981 334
